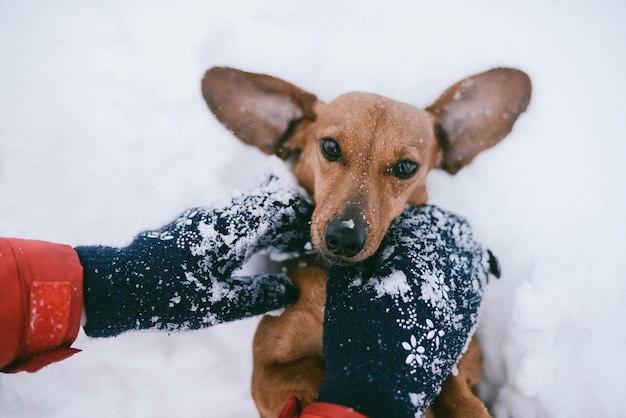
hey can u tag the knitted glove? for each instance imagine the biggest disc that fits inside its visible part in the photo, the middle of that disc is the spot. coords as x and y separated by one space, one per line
181 276
396 324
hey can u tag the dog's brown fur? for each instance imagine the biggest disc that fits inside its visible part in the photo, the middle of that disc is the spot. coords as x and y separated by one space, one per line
377 142
288 348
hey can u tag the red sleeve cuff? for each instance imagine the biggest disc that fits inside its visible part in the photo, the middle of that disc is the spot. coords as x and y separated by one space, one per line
41 301
329 410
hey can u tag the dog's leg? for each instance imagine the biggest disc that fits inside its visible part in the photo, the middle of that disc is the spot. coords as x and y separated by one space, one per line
288 358
457 399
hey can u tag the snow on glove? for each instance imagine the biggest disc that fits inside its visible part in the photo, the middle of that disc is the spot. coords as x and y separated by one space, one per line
396 324
180 276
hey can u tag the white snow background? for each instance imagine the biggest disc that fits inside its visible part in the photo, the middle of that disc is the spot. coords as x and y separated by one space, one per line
104 133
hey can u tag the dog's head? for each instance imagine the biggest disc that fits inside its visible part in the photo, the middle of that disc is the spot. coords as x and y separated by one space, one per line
363 156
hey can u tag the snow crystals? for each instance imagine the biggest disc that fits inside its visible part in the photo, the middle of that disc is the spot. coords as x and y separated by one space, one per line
417 399
394 285
349 224
434 289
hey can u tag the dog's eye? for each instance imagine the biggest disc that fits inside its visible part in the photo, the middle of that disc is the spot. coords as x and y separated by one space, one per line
404 169
330 149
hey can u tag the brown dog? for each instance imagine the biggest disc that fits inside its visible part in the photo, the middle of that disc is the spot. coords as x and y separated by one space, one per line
363 157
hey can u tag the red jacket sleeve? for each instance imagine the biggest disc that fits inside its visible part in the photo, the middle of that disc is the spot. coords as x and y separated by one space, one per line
41 297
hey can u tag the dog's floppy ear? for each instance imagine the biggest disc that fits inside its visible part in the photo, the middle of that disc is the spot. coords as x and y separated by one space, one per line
260 110
477 112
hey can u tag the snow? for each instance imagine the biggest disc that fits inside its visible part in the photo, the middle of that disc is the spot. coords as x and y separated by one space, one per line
394 285
104 133
349 224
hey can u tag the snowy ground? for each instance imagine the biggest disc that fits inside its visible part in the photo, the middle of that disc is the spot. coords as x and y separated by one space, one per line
103 133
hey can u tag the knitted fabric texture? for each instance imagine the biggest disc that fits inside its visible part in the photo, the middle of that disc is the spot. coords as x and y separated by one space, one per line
397 324
181 276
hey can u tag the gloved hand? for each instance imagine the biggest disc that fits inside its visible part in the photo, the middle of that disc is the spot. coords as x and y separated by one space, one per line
396 324
178 277
181 276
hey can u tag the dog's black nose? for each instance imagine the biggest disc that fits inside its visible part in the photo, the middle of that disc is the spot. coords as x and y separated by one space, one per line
344 237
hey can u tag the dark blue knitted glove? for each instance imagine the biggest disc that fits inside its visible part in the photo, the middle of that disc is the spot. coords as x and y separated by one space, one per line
180 276
396 324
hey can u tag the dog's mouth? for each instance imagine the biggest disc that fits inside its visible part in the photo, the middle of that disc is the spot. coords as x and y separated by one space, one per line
333 260
330 259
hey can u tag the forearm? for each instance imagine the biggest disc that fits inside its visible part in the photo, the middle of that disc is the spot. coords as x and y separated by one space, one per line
40 303
178 277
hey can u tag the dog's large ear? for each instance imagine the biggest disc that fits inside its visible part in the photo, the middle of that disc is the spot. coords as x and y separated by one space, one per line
260 110
476 113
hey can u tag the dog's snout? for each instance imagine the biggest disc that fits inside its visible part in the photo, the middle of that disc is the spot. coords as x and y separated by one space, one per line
344 237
